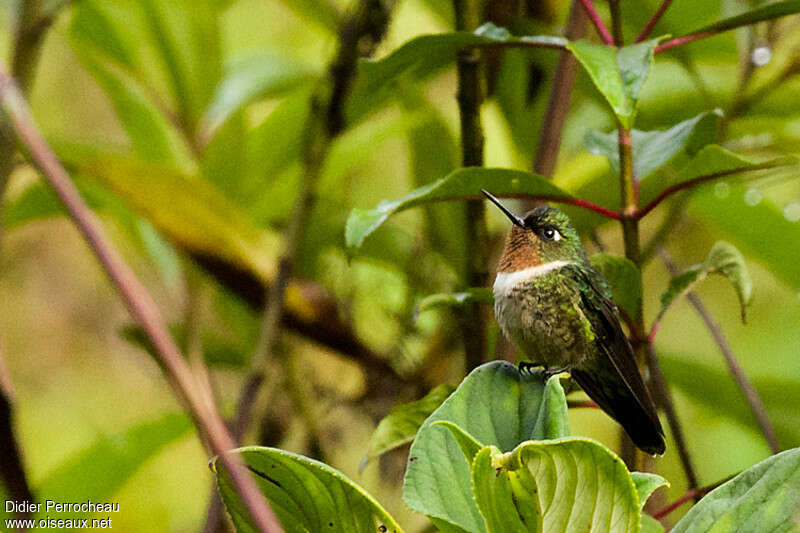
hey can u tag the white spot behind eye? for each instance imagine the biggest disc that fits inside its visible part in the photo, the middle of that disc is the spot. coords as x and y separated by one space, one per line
556 235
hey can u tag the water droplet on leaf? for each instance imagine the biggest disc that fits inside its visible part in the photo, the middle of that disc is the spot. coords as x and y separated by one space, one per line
752 197
722 189
792 212
761 56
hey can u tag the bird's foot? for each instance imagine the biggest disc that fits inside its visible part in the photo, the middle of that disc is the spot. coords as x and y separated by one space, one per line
550 372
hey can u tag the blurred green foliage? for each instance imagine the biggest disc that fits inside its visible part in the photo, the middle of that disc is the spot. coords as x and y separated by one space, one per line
182 123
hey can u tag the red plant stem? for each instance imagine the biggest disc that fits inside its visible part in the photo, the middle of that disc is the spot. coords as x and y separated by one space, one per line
594 16
588 404
577 202
669 191
648 28
139 304
677 41
691 494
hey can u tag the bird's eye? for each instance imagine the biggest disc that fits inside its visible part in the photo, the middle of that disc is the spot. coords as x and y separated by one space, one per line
551 234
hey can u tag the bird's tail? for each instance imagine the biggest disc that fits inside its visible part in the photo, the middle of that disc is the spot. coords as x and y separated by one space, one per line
634 412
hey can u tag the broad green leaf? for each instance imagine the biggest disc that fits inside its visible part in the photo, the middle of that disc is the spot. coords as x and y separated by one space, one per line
580 485
481 295
624 279
305 494
653 149
768 11
503 508
765 497
426 54
618 73
496 405
713 386
252 78
646 484
651 525
203 222
712 161
400 425
724 259
97 472
461 184
731 210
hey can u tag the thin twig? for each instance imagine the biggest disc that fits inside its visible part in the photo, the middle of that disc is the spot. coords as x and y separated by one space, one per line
601 27
678 41
648 28
691 494
664 397
473 319
748 390
616 22
139 303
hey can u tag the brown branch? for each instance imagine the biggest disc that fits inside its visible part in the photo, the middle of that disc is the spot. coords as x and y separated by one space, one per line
648 28
555 114
599 25
664 397
139 303
737 372
473 319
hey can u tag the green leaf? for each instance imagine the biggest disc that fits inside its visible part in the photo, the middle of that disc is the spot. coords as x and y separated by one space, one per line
496 405
504 508
742 222
653 149
763 12
252 78
400 426
482 295
624 279
469 446
581 486
187 38
711 161
151 135
100 470
713 386
461 184
618 73
646 484
651 525
425 55
305 494
723 258
204 222
765 497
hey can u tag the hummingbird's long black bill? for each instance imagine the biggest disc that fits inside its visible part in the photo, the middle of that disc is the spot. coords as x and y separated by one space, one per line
514 218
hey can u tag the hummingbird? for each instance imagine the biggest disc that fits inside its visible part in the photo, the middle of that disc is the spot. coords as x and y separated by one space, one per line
558 311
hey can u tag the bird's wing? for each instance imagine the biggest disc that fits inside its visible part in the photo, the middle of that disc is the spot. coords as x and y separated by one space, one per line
611 340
